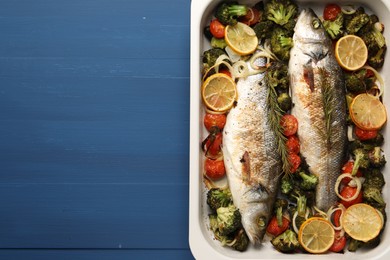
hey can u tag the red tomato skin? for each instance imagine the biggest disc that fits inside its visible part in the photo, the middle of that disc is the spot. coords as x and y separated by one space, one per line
331 11
226 72
364 135
213 148
289 124
348 192
252 17
369 74
211 120
295 162
217 29
292 144
215 169
274 229
339 243
347 168
336 218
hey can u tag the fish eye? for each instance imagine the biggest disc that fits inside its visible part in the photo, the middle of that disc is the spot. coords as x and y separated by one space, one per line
316 23
261 222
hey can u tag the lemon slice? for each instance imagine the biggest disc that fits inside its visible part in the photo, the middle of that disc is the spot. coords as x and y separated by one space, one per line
241 38
368 112
316 235
362 222
219 92
351 52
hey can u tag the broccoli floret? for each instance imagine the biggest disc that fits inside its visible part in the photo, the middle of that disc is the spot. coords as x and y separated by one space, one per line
280 205
286 185
210 57
356 82
335 28
280 11
376 61
284 101
263 29
227 13
360 160
229 219
376 157
281 43
301 204
374 178
218 43
354 245
286 242
240 241
372 35
377 141
217 198
309 181
277 76
372 194
353 25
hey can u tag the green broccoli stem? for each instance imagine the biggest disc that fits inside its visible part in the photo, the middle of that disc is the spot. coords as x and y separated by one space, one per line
356 164
380 40
301 205
279 216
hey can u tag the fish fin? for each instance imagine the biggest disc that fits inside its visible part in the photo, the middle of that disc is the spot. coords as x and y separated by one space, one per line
308 76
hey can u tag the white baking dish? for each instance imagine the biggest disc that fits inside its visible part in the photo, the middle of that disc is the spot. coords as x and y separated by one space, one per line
202 244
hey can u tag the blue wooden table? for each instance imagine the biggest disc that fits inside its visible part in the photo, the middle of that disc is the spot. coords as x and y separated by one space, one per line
94 112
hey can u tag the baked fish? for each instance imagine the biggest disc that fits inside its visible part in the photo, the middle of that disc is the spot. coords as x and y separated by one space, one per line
318 95
251 158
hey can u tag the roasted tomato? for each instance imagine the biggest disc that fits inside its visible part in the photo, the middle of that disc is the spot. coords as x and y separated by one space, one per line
347 168
213 145
292 144
348 192
339 242
364 135
331 11
274 229
211 120
295 162
289 124
217 29
215 169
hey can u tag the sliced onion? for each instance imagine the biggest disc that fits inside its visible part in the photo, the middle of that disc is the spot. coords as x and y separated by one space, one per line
358 186
216 66
322 213
330 213
378 78
353 183
240 69
348 9
350 133
232 55
221 183
293 222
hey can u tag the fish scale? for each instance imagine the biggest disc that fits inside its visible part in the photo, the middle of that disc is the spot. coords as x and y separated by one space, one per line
318 94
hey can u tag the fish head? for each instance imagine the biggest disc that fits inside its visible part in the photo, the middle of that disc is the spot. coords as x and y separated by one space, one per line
256 214
309 27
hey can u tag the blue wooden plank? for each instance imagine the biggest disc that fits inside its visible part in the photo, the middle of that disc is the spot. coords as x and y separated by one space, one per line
115 215
94 104
122 29
168 254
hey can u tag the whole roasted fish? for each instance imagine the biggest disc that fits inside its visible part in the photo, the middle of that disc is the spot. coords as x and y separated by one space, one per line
251 158
318 94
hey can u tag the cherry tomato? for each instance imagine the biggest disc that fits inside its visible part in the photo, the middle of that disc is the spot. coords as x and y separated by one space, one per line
274 229
348 192
339 242
217 29
251 18
331 11
215 169
295 162
369 74
292 144
226 72
336 218
347 168
213 147
289 124
211 120
363 135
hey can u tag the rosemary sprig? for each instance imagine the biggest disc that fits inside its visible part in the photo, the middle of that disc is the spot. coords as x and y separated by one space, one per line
275 114
327 99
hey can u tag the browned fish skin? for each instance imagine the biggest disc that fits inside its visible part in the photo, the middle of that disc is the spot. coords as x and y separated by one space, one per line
318 94
251 158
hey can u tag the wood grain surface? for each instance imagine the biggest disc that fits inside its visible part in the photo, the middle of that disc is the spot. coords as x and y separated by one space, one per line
94 112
